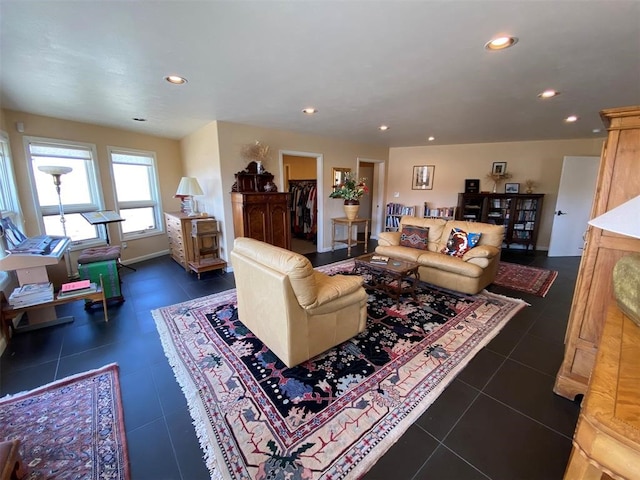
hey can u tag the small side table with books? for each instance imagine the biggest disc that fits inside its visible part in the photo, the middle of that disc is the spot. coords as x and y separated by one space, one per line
387 275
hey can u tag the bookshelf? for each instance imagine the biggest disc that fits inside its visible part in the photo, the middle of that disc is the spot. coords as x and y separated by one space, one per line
519 213
395 211
445 213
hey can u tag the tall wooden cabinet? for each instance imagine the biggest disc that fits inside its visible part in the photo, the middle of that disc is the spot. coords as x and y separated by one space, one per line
519 213
179 233
618 181
263 216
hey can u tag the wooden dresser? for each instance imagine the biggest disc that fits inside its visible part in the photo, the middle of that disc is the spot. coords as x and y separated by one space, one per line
263 216
607 437
618 181
179 233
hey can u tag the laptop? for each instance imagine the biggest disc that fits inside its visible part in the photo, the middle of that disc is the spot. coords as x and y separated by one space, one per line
18 242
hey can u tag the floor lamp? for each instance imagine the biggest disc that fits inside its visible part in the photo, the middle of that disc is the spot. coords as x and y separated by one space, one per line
56 173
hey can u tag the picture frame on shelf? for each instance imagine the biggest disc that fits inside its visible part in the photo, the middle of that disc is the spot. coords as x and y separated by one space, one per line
472 185
499 168
423 177
511 188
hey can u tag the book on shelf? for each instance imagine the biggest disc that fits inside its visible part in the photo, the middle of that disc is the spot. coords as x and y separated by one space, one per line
81 291
379 259
74 286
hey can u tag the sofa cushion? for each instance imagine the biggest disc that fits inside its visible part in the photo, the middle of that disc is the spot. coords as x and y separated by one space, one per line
415 237
399 253
435 226
451 264
460 242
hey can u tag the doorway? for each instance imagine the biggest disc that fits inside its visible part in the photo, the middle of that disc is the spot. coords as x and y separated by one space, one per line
371 207
573 206
301 174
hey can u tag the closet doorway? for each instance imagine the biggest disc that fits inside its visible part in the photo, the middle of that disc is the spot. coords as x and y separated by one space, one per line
301 179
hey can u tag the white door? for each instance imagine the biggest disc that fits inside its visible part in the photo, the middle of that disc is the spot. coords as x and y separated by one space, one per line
573 207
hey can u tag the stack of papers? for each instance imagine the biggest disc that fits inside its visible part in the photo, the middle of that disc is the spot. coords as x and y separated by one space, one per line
31 294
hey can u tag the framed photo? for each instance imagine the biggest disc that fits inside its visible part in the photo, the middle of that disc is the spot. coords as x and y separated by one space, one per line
423 177
499 168
511 188
471 185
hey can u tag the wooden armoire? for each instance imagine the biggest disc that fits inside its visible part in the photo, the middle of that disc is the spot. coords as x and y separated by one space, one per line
264 216
618 181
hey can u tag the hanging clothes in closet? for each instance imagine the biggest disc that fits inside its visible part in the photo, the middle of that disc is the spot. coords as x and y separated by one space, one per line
303 207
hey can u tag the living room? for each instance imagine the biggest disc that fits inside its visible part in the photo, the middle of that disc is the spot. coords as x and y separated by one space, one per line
499 418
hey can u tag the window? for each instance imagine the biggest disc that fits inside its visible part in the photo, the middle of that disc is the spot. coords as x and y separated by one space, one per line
79 189
9 205
137 192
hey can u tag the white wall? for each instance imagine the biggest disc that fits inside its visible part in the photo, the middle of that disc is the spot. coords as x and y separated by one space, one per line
540 161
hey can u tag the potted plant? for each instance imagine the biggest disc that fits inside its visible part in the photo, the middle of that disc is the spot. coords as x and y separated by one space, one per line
351 189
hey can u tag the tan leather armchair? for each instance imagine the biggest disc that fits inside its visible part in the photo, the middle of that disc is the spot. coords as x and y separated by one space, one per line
293 309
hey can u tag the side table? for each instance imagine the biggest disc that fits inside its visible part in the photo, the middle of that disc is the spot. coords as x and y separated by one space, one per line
344 221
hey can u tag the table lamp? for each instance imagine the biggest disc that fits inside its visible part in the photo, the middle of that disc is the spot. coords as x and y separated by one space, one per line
56 172
625 220
187 188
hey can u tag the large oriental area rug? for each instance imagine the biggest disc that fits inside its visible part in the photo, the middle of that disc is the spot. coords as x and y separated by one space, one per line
523 278
72 428
335 415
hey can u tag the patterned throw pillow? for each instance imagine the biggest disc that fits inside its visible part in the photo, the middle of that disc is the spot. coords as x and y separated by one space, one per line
460 242
414 237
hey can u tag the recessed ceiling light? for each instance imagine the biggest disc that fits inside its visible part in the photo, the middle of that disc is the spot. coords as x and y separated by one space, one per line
138 119
176 79
431 139
571 119
500 43
596 130
309 110
549 94
383 128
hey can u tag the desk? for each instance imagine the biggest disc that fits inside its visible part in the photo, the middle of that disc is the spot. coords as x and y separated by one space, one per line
607 437
344 221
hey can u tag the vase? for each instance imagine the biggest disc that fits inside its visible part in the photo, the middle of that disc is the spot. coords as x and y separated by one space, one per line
351 208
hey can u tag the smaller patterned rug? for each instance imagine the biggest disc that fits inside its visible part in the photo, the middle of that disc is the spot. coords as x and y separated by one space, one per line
72 428
523 278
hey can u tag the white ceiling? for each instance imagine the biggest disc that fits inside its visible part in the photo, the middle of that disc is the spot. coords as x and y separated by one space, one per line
418 66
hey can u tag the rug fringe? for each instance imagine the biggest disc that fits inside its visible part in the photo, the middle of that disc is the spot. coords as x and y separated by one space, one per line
190 393
70 378
498 295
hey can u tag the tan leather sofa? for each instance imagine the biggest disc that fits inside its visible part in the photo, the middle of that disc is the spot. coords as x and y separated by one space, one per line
469 273
293 309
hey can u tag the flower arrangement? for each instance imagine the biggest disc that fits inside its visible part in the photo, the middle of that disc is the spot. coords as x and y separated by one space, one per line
498 177
350 189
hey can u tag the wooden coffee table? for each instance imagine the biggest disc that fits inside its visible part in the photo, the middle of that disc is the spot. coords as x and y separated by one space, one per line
388 278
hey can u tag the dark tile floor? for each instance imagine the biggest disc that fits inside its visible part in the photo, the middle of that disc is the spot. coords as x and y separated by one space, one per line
499 419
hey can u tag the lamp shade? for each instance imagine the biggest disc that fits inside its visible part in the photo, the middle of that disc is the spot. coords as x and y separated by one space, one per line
189 186
54 170
624 219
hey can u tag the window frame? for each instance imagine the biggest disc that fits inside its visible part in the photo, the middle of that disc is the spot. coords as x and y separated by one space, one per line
94 184
154 187
8 184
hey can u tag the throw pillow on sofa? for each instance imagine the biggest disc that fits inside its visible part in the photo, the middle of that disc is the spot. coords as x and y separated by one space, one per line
414 237
460 242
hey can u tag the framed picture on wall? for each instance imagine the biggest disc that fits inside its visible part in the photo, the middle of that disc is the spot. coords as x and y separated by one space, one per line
499 168
423 177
